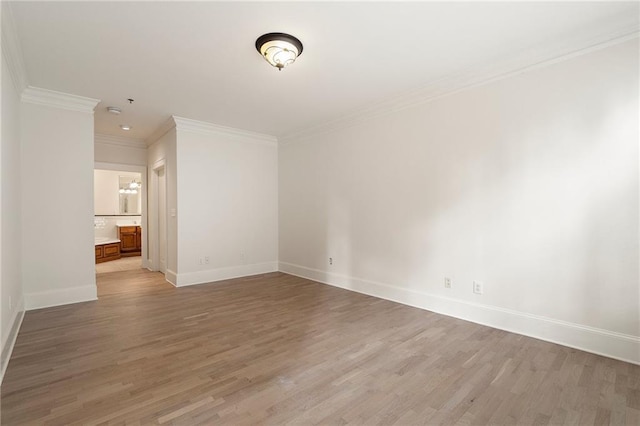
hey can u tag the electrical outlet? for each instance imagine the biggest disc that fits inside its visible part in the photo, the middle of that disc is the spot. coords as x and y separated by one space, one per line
331 261
206 260
447 282
478 287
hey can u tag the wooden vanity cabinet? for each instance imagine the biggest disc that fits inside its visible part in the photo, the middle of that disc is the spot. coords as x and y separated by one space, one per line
139 240
130 240
107 252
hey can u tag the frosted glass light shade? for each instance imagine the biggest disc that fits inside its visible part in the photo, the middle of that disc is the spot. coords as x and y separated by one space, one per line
279 49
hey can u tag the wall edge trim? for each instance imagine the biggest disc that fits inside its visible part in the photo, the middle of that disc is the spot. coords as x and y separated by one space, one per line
226 273
164 128
11 49
171 277
598 341
10 342
51 98
204 128
119 141
59 297
456 83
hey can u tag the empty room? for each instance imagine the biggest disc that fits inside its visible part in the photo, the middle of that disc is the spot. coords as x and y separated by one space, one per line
331 213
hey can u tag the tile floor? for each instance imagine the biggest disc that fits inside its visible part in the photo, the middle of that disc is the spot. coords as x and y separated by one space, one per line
124 264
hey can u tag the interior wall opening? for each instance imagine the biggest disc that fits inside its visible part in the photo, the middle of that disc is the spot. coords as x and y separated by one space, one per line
120 217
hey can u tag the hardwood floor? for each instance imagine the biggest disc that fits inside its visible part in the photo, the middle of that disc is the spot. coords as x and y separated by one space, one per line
277 349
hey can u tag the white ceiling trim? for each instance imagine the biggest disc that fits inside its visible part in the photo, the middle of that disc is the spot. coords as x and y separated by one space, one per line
161 131
11 49
210 129
119 141
38 96
467 79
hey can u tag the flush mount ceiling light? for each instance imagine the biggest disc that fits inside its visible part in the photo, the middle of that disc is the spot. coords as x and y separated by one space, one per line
125 127
279 49
114 110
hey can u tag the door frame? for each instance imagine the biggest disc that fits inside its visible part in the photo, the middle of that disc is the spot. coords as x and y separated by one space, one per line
154 223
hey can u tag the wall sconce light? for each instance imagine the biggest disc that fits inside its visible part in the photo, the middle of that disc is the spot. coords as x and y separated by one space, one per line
279 49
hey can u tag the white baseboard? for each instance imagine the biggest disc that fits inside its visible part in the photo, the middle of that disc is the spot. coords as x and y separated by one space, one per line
9 343
64 296
171 276
211 275
611 344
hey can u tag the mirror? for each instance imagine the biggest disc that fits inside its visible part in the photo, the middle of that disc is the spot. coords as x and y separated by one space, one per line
130 188
113 193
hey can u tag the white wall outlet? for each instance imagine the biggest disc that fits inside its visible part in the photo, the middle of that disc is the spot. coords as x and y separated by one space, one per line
331 261
478 287
206 260
447 282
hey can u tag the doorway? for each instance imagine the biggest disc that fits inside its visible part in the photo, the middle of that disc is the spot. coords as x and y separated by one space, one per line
120 218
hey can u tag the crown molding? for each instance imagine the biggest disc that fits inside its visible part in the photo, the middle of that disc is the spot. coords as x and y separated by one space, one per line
209 129
35 95
160 131
11 50
467 79
119 141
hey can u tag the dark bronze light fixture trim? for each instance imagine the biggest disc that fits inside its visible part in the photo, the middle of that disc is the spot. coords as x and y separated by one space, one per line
279 49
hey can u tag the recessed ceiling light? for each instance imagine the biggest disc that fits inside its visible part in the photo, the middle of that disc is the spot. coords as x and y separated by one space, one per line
125 127
114 110
279 49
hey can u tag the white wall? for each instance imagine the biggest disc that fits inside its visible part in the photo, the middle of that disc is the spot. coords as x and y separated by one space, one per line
227 203
105 192
163 151
11 295
57 223
528 184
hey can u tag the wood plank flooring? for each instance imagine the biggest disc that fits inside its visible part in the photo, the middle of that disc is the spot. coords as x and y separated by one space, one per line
277 349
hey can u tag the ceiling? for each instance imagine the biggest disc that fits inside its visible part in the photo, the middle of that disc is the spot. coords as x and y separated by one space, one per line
197 59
